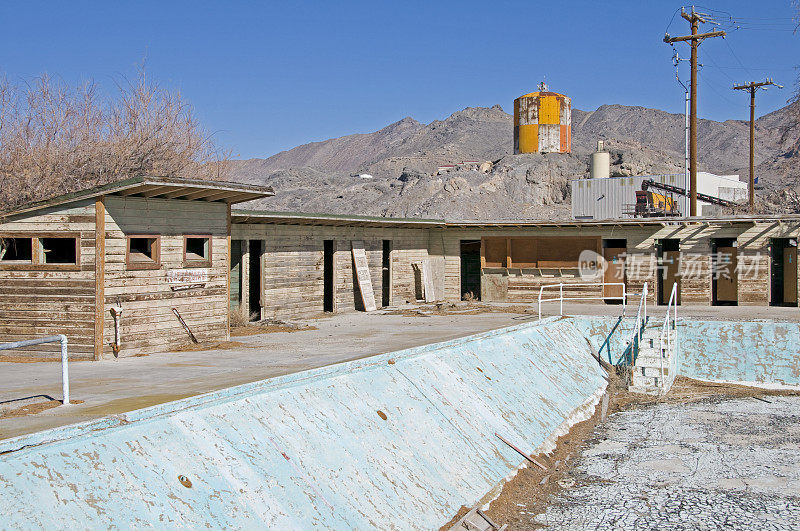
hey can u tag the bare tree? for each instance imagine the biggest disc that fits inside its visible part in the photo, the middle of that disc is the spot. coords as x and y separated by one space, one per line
55 138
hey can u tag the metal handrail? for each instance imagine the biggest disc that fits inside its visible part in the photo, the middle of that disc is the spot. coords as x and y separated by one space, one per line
672 304
638 327
561 297
49 339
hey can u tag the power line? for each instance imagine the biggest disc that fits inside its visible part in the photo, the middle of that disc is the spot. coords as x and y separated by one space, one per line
771 69
715 65
710 85
666 30
746 29
737 58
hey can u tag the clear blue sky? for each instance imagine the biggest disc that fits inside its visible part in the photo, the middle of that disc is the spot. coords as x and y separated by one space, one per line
267 76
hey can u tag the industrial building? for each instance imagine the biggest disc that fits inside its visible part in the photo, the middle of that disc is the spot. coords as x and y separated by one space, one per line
614 197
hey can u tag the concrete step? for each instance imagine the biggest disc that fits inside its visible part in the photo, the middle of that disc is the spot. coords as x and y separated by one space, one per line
639 378
654 371
650 363
652 351
654 339
644 389
649 370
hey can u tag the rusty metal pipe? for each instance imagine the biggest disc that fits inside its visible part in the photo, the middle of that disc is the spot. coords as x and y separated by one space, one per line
116 312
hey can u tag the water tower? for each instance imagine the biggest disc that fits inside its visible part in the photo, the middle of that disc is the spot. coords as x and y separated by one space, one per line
542 122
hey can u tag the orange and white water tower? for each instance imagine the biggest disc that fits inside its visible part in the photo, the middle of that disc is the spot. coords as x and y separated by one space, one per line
542 122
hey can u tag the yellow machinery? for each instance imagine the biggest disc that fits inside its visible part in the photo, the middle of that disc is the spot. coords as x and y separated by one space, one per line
652 204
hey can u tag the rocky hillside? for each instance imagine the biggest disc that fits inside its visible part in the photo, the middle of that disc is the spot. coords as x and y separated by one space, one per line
394 171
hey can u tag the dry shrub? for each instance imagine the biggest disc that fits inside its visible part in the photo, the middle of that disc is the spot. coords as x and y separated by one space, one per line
239 317
55 138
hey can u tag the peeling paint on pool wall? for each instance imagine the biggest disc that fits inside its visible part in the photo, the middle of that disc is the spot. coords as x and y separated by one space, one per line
312 449
757 352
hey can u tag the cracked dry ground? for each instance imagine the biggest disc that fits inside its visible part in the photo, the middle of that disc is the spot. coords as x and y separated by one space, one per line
724 460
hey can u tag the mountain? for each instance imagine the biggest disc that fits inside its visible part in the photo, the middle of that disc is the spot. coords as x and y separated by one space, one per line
395 171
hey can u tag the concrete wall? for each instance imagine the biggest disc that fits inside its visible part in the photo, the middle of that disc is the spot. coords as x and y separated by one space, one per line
607 335
763 352
758 352
400 440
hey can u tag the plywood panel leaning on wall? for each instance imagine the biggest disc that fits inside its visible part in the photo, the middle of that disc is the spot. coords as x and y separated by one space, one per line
361 267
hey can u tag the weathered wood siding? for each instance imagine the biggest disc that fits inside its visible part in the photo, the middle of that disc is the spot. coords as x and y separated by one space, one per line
148 323
36 301
521 285
292 264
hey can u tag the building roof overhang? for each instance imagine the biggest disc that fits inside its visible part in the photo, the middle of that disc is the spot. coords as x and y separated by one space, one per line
334 220
342 220
158 188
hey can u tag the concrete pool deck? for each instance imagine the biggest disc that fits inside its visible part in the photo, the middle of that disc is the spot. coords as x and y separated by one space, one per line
115 386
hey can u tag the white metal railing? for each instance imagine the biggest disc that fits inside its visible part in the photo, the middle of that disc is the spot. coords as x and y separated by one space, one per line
666 339
638 327
561 298
49 339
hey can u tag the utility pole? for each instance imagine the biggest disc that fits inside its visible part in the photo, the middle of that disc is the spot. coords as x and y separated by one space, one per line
694 40
752 87
677 61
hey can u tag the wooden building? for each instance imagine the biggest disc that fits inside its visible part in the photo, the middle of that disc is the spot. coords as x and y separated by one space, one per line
299 265
121 268
149 247
745 261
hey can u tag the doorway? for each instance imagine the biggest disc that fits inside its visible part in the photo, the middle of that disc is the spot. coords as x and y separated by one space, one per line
327 276
783 272
724 272
236 275
386 273
669 266
614 251
254 280
471 270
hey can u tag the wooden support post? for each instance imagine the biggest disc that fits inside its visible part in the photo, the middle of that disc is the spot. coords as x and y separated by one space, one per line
694 40
228 275
752 87
245 278
99 275
693 121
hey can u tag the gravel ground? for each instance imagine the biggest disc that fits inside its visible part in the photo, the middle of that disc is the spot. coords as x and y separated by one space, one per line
719 462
